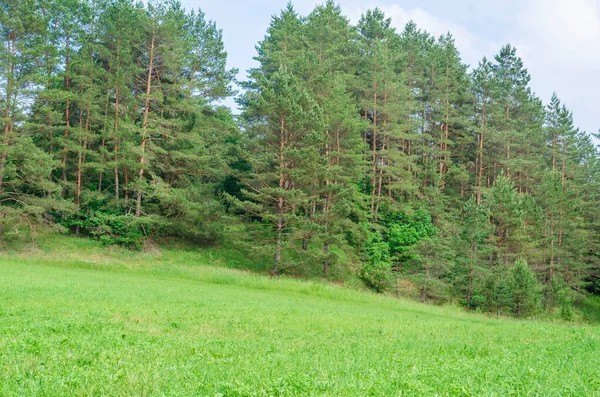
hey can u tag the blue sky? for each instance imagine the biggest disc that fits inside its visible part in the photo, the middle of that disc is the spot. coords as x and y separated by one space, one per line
558 40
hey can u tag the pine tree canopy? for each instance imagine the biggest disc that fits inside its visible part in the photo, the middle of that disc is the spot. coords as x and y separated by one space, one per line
361 151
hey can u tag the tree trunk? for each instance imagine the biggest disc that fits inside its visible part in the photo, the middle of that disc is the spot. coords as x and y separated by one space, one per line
276 269
385 146
126 190
470 276
116 143
374 150
138 205
480 171
67 121
11 44
443 164
424 288
325 261
280 203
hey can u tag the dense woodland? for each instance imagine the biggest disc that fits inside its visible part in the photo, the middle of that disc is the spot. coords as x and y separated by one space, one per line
359 150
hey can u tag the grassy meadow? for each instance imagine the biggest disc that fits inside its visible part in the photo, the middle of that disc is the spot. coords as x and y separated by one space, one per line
80 320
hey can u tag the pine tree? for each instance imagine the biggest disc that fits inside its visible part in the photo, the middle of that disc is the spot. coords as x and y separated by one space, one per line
21 26
24 167
340 167
525 291
282 46
380 93
451 98
484 87
330 41
520 121
506 209
285 134
475 232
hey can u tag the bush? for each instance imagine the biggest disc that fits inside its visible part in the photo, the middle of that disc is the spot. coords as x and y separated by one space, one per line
113 229
102 220
405 231
566 304
376 272
376 275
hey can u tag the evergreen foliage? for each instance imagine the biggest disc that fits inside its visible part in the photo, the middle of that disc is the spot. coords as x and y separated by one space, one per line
359 150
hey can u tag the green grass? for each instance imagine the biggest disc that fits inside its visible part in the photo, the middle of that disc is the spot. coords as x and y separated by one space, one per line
76 319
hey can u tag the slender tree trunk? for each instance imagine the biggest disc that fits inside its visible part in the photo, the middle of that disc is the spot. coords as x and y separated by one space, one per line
374 150
562 173
138 205
278 241
280 203
551 265
424 287
553 151
48 65
103 143
79 161
443 163
561 214
67 121
325 261
11 44
116 143
507 147
126 187
379 184
385 144
330 162
480 171
470 276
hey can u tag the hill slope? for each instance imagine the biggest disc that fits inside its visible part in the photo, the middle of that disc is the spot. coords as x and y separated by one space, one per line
74 327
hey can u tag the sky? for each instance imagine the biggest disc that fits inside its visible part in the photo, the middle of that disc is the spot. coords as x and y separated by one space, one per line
558 40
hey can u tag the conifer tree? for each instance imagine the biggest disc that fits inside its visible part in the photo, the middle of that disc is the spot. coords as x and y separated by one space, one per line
484 87
285 135
330 42
525 291
282 45
476 232
380 93
24 167
506 209
518 120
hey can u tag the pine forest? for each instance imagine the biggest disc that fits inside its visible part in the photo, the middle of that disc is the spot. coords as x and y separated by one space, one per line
360 153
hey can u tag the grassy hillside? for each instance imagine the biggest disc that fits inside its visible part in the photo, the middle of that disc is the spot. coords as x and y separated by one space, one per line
86 322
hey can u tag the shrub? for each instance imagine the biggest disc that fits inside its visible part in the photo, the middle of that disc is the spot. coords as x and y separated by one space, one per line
376 272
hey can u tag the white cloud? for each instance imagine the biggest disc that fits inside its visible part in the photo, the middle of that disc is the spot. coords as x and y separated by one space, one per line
566 24
559 42
472 47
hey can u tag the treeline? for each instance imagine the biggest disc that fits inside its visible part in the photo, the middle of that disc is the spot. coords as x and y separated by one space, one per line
359 149
110 127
